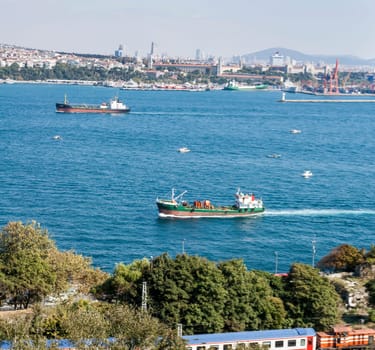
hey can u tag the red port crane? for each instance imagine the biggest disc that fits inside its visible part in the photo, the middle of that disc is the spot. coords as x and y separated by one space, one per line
334 83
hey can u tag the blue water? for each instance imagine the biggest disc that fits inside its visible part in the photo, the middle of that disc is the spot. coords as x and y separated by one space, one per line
95 189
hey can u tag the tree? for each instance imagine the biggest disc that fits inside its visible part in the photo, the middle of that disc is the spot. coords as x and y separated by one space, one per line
238 308
25 272
169 340
342 258
269 308
250 302
370 286
72 268
31 267
187 290
310 299
125 283
370 255
131 327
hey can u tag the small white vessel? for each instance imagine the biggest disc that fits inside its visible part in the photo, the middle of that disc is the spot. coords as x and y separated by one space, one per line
295 131
289 86
57 137
183 150
307 173
274 155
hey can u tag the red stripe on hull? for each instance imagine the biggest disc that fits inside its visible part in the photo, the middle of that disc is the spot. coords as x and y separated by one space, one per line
79 110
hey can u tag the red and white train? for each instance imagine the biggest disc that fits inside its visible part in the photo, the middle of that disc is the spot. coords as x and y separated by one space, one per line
340 337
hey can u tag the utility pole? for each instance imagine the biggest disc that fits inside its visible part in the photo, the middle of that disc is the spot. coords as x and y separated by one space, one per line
144 296
276 261
313 242
179 330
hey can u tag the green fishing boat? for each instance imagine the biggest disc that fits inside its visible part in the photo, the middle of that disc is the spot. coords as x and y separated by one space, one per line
244 205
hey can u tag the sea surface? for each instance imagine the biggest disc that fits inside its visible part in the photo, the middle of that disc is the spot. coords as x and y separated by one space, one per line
94 190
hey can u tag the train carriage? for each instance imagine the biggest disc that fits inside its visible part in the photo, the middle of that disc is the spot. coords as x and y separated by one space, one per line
344 337
281 339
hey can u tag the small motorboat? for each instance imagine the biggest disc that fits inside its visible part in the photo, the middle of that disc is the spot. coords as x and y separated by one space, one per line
57 138
295 131
184 150
274 155
307 173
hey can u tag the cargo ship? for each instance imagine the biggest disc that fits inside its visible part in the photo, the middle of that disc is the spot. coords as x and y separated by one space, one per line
113 106
244 205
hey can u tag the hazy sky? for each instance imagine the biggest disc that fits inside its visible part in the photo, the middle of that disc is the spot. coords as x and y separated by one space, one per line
217 27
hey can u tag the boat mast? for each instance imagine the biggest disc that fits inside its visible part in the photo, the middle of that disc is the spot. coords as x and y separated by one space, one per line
179 196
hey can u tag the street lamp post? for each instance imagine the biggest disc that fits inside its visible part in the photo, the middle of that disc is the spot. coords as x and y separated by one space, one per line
313 242
276 261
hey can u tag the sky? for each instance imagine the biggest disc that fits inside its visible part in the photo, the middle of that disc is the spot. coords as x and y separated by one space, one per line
178 28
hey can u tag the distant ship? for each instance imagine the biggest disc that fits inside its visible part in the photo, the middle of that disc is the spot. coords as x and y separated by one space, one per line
289 86
113 106
245 205
234 86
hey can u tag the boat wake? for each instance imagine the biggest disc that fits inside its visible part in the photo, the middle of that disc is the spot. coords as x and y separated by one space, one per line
319 212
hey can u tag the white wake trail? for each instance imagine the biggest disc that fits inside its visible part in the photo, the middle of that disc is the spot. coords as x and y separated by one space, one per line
319 212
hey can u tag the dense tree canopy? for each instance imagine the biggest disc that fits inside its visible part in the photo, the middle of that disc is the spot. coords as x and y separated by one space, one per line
103 325
311 299
31 266
187 290
206 297
370 255
201 295
250 302
26 274
342 258
125 283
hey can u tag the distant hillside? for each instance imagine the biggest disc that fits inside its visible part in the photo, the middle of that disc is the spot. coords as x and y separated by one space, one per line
265 55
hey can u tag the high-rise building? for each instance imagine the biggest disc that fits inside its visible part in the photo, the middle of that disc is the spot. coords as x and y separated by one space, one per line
119 51
198 54
153 48
277 59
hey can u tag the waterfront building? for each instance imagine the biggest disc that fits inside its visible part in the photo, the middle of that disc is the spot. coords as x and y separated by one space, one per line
277 59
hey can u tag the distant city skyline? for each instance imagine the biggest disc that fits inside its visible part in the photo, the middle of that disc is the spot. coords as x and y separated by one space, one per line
179 29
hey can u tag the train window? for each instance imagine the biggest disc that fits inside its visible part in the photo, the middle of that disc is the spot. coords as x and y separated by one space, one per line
370 339
279 343
201 348
214 347
254 346
241 346
292 342
266 344
302 342
227 346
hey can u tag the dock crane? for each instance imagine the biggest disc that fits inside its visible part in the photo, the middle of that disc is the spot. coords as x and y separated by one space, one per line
334 81
345 80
